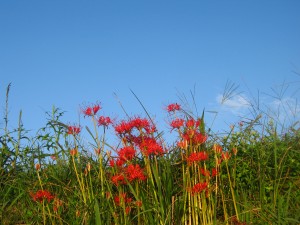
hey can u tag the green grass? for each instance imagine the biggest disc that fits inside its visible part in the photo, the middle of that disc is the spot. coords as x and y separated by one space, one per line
250 175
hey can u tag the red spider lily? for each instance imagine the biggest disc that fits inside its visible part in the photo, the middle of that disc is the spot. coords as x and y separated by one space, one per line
96 108
226 156
198 188
112 163
197 157
182 144
139 203
37 166
123 128
151 129
205 172
117 200
118 179
234 150
199 138
88 111
219 161
139 123
126 127
214 172
41 195
73 130
135 172
130 131
217 148
104 121
122 199
173 107
126 153
177 123
137 140
120 162
127 210
142 123
191 123
117 162
73 152
194 137
149 146
91 110
56 204
189 134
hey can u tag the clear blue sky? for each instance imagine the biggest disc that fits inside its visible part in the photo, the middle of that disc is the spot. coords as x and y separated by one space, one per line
67 53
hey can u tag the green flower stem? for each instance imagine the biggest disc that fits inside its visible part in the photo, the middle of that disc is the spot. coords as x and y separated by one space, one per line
232 191
79 180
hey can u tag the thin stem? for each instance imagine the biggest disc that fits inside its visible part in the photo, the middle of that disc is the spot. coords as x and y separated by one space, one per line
232 191
78 179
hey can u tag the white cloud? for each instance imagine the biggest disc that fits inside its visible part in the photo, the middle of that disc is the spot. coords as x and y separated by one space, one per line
224 112
285 111
235 103
285 108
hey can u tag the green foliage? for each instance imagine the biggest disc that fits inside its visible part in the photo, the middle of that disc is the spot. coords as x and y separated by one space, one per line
257 182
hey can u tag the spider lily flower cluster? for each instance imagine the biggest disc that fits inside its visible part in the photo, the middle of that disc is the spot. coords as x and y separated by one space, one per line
247 175
138 177
42 195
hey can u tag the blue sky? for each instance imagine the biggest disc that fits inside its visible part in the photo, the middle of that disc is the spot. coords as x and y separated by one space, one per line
69 53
